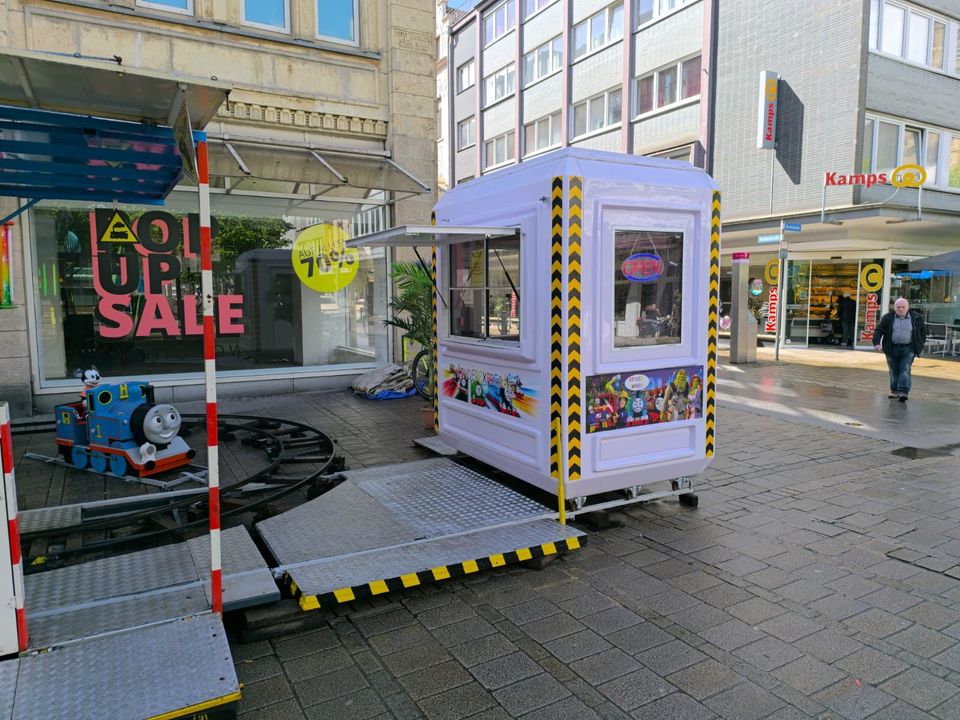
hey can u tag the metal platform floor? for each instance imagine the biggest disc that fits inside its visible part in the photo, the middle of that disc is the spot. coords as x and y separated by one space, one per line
179 668
144 587
395 526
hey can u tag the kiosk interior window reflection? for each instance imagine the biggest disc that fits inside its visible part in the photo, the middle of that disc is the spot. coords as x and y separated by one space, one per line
485 288
647 286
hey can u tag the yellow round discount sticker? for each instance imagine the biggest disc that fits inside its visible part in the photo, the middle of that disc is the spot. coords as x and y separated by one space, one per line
871 277
322 260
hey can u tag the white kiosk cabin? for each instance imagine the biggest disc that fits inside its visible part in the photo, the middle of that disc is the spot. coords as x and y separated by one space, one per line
577 298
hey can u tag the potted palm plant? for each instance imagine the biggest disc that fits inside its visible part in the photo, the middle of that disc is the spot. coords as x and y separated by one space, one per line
412 310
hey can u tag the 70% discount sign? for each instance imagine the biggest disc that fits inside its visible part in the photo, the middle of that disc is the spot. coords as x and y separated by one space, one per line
322 260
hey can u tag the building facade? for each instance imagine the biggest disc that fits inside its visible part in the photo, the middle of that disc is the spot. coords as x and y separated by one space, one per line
328 132
524 77
864 88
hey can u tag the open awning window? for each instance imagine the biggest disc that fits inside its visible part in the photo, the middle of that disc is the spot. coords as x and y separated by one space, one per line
306 172
428 235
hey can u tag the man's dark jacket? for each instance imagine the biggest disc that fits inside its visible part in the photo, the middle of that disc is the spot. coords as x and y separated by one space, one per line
884 332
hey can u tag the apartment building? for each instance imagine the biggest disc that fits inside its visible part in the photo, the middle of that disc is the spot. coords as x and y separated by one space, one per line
329 123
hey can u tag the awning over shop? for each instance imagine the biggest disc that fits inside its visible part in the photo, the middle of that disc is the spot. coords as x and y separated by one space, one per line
306 172
426 235
949 262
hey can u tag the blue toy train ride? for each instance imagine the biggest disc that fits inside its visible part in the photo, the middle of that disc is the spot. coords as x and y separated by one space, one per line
121 427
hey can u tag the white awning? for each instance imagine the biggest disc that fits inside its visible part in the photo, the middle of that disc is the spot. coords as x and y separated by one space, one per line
427 235
103 88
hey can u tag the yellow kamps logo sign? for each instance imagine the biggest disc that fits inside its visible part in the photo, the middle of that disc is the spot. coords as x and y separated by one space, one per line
903 176
871 277
770 89
908 176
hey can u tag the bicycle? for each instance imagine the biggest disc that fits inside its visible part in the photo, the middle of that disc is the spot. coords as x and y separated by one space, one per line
423 373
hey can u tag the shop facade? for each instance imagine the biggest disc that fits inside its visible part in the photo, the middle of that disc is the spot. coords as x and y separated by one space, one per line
327 133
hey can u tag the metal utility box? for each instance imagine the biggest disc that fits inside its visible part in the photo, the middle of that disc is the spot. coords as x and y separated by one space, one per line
576 319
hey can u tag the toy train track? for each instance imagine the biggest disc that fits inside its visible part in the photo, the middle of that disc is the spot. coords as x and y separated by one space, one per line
299 457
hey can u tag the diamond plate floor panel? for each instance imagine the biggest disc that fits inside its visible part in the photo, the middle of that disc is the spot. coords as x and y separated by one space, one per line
8 686
330 574
247 580
50 518
136 674
343 520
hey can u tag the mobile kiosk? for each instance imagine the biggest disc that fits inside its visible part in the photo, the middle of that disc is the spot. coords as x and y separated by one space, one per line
576 320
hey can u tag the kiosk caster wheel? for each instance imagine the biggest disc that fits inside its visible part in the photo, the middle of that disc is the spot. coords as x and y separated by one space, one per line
689 500
576 504
634 491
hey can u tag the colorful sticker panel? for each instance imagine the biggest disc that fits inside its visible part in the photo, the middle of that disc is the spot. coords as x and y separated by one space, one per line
622 400
502 393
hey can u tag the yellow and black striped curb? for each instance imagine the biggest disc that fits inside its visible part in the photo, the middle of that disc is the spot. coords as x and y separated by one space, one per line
556 327
713 312
437 574
221 707
574 290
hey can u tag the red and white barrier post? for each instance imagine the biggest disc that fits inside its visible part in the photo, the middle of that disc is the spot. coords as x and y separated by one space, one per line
13 625
210 375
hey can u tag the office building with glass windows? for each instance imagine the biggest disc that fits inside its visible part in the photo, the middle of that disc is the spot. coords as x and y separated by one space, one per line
327 132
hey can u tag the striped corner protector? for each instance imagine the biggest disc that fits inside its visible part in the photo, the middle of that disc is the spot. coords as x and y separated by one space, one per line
437 574
574 293
12 517
556 326
713 311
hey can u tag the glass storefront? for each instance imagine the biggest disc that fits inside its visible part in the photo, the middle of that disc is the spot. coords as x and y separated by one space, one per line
120 289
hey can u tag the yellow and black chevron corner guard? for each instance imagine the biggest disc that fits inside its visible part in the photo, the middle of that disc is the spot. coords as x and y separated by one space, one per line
713 312
433 351
574 304
556 328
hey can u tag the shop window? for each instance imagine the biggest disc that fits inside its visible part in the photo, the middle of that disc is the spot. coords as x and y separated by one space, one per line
337 20
485 289
465 76
269 14
647 287
184 7
134 308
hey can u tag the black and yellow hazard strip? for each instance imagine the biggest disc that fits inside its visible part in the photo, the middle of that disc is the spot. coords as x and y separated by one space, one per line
556 328
221 707
574 300
437 574
713 311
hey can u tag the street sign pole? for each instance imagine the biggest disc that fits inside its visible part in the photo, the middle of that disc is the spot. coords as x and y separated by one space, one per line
782 255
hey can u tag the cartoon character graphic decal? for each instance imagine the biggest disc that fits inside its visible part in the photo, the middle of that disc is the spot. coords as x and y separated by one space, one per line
500 392
624 400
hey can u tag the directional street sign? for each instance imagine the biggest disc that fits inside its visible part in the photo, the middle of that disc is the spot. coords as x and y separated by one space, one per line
774 238
792 227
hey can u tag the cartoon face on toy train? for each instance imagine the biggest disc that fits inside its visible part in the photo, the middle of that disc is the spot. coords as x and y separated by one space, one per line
157 424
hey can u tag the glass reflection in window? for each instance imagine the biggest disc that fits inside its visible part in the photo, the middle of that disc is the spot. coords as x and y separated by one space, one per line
647 287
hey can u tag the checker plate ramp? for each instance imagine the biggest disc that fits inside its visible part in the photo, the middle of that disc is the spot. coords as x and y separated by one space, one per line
170 669
396 526
144 587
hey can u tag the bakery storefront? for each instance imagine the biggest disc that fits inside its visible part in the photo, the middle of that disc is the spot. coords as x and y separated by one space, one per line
118 286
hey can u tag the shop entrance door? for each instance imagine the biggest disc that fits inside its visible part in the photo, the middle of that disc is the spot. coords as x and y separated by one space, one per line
796 318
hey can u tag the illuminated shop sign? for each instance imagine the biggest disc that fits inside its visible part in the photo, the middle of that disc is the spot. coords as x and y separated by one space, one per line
903 176
767 114
135 265
642 267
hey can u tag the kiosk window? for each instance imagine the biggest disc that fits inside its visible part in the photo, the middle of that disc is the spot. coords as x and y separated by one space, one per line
485 288
647 287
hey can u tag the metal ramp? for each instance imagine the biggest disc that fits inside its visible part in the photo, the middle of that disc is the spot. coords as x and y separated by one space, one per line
180 668
144 587
396 526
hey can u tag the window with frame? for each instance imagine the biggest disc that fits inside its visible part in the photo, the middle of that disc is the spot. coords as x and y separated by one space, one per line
499 150
597 31
647 287
669 85
466 133
596 113
465 76
531 7
499 21
269 14
499 85
541 134
485 288
889 143
337 20
647 10
912 34
184 7
543 61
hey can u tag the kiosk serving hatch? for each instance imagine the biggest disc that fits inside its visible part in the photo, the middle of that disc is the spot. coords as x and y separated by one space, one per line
576 321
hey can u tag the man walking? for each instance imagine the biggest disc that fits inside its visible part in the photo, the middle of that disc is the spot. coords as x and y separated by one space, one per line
900 335
847 310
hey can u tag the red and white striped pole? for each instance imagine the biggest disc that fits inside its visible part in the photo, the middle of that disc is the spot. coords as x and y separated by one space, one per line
13 525
210 374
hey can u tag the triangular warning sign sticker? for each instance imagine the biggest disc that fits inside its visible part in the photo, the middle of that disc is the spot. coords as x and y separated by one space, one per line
118 231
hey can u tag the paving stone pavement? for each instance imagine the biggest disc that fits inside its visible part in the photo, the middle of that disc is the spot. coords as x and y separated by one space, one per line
816 579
